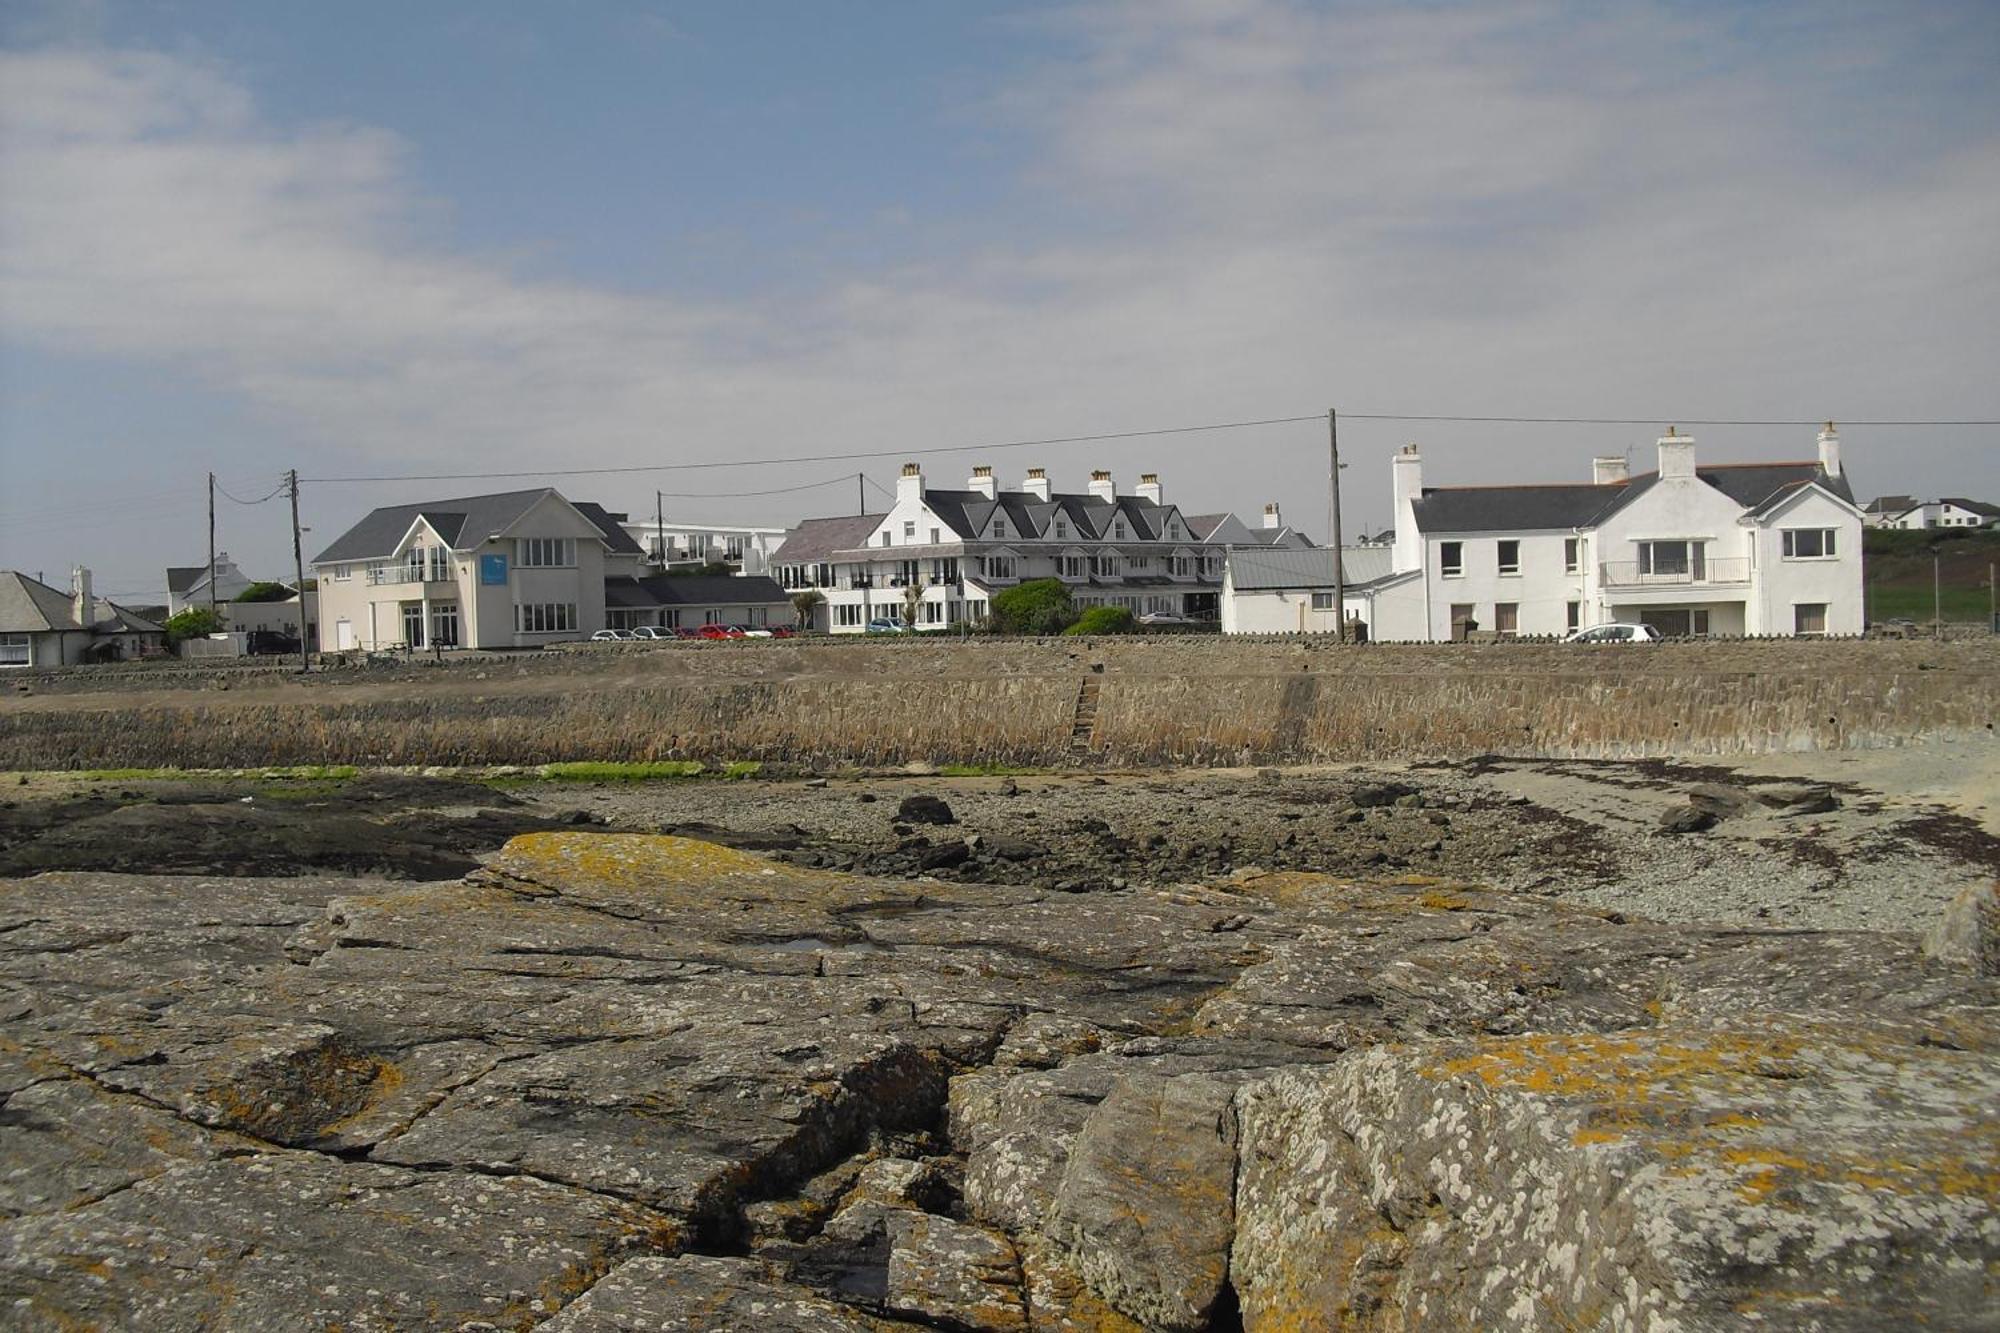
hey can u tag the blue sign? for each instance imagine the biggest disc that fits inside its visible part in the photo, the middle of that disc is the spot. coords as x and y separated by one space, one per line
493 570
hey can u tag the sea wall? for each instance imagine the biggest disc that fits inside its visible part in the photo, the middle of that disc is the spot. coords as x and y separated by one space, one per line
1185 700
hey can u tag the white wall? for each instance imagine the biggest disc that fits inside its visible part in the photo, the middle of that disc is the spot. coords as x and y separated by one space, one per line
1541 591
1782 583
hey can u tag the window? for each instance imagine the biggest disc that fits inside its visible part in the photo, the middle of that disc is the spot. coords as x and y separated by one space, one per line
934 536
1573 615
1572 556
547 552
15 650
1510 557
1322 601
847 615
712 616
1062 530
342 573
909 530
1462 619
413 624
1674 559
1507 618
1137 563
885 539
1809 543
1451 559
930 613
999 531
444 625
545 617
1070 566
1809 618
1118 529
997 566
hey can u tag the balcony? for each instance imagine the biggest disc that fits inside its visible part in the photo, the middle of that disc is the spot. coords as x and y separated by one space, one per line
403 574
1699 574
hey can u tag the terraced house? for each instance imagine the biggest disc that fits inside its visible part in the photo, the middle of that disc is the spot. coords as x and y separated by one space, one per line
1691 549
952 550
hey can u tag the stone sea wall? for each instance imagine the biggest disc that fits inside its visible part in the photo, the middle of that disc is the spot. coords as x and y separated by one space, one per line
1189 700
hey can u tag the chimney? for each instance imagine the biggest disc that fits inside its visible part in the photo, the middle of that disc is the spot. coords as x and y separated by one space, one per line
1037 483
1148 487
1676 455
1272 518
1101 485
982 481
1609 470
1829 451
80 603
910 486
1407 486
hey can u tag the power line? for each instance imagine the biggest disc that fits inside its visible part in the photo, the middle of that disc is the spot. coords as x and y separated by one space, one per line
840 480
275 492
996 445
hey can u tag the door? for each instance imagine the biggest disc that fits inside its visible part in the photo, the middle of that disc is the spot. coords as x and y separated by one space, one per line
413 624
343 634
444 625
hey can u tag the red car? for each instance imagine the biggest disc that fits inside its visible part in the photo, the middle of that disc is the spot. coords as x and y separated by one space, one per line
686 632
720 632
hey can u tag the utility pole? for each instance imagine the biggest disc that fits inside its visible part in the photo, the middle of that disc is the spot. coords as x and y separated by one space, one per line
1937 599
660 527
861 490
1339 574
211 543
299 569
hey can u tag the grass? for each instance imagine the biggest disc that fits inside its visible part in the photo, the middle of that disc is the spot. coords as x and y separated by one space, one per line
592 771
1899 572
985 770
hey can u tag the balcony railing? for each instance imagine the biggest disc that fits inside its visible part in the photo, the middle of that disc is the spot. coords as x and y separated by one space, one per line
405 574
1701 573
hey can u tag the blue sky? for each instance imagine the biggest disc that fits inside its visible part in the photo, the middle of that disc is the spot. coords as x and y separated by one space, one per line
369 239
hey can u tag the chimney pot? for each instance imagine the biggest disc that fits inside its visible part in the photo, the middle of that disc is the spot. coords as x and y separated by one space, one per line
912 470
1829 451
1102 486
1037 483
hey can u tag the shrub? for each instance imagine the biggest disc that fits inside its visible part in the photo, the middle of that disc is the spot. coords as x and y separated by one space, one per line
1039 606
1104 620
196 622
266 591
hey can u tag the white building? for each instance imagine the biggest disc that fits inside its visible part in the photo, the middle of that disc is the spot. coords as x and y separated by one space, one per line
41 626
671 543
1292 591
1752 548
959 547
188 585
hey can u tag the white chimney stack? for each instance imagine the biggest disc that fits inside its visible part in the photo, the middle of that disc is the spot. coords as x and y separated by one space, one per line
1272 518
1149 487
1609 470
1676 455
982 481
910 486
81 605
1407 486
1101 485
1829 451
1037 483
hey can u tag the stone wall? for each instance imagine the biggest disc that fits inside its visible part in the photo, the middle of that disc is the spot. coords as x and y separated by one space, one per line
1185 699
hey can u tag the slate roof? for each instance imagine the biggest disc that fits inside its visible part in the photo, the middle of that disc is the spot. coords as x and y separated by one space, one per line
616 539
180 578
1262 569
115 619
1890 504
1757 487
471 517
1202 526
1979 507
693 590
816 539
31 606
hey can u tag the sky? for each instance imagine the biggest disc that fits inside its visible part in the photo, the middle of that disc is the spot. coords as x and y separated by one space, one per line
388 240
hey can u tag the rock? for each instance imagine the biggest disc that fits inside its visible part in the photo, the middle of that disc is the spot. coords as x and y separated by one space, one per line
1010 788
1666 1178
815 784
925 809
944 856
1720 799
967 1277
1686 819
1372 794
697 1294
1268 775
1968 934
1145 1212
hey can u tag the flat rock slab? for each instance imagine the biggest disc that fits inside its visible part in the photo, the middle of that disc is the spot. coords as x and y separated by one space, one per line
1687 1179
302 1241
696 1294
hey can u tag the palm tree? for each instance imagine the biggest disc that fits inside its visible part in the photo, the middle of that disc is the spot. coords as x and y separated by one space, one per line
805 604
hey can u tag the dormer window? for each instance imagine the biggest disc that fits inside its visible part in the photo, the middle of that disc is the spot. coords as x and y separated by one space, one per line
999 531
910 531
1118 529
1062 530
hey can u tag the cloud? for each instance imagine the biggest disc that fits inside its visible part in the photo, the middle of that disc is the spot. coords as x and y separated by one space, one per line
1266 208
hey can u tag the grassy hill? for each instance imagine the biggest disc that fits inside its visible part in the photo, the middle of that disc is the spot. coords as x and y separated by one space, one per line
1898 570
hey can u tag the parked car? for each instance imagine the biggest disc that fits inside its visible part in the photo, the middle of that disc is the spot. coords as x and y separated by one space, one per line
783 632
752 631
1163 618
1616 632
720 632
686 632
887 625
650 632
610 635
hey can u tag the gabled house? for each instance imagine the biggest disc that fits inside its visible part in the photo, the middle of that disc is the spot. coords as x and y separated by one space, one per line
1283 590
1752 548
188 585
957 548
513 570
1958 512
41 626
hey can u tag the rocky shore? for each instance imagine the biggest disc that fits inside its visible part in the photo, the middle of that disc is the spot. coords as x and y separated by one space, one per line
1362 1049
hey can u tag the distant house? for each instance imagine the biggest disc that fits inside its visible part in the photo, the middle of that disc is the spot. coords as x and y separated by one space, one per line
1962 513
1911 514
689 601
1292 591
187 585
671 543
42 626
512 570
1888 511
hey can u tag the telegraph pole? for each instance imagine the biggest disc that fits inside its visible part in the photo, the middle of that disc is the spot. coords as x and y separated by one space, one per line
299 569
211 543
1339 574
660 528
1937 599
861 491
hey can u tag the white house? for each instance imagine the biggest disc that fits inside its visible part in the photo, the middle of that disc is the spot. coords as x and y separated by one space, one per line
1750 548
1909 513
188 585
1292 591
960 547
671 543
513 570
1958 512
41 626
